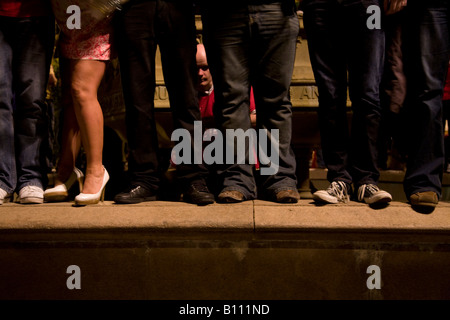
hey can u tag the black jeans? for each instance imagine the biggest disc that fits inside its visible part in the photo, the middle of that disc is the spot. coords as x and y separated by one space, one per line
140 27
340 43
253 45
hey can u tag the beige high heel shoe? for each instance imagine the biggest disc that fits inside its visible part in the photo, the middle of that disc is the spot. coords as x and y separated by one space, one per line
61 192
93 198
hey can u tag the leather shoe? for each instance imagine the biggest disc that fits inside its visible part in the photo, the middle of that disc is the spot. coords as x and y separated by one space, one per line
198 193
287 196
424 199
230 196
135 194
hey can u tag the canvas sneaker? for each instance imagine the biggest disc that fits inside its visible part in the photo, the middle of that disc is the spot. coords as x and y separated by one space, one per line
371 194
337 191
4 196
31 195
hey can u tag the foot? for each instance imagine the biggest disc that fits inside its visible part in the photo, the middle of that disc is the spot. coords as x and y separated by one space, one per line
230 196
287 196
31 195
60 191
372 194
4 196
198 193
93 180
337 191
424 199
135 194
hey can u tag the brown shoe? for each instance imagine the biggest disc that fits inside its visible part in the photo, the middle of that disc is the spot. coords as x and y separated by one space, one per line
230 196
287 196
424 199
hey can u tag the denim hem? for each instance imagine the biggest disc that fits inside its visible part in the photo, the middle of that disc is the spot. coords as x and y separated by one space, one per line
350 182
275 191
30 183
360 183
7 189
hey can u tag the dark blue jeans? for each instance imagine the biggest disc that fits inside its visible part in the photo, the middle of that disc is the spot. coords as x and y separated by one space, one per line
140 28
253 45
426 59
26 47
345 53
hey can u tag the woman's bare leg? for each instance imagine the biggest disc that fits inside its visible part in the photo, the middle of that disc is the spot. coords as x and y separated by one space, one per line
86 76
70 140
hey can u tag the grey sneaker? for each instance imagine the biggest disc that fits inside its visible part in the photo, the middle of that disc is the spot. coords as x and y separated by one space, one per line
4 196
371 194
31 195
338 191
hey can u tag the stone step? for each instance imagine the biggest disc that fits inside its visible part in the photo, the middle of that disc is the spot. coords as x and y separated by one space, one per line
255 250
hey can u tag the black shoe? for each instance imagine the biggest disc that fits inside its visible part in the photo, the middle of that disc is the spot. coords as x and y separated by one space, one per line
198 193
135 194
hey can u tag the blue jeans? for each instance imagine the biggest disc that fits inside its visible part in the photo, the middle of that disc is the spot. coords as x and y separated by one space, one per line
26 47
253 45
426 60
340 42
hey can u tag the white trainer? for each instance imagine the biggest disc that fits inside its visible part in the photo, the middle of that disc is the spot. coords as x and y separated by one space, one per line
31 195
337 192
4 196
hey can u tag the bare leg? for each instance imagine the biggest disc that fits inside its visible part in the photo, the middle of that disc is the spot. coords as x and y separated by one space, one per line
71 140
86 76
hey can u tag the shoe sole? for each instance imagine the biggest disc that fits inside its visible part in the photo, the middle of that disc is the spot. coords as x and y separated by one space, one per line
424 204
31 200
324 197
229 200
153 198
200 203
87 202
287 200
378 200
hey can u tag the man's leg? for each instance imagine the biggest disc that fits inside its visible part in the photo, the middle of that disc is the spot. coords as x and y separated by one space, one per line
177 40
272 56
426 64
8 177
33 48
137 49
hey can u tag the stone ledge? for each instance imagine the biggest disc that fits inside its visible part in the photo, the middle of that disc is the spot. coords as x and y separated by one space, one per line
255 250
251 218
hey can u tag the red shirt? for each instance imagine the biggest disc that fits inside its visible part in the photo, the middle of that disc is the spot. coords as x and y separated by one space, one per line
206 104
447 86
24 8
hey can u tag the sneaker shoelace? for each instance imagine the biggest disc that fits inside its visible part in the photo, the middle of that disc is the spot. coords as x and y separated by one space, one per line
370 188
338 189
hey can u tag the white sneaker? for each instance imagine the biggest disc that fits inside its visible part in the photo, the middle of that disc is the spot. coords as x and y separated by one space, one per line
31 194
370 194
4 196
337 191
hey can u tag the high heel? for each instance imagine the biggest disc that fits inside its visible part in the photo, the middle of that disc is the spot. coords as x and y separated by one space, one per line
93 198
61 192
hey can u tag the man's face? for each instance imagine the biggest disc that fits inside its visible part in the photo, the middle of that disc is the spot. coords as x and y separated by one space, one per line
204 75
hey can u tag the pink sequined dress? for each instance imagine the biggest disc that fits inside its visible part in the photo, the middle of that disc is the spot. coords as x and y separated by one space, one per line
92 41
